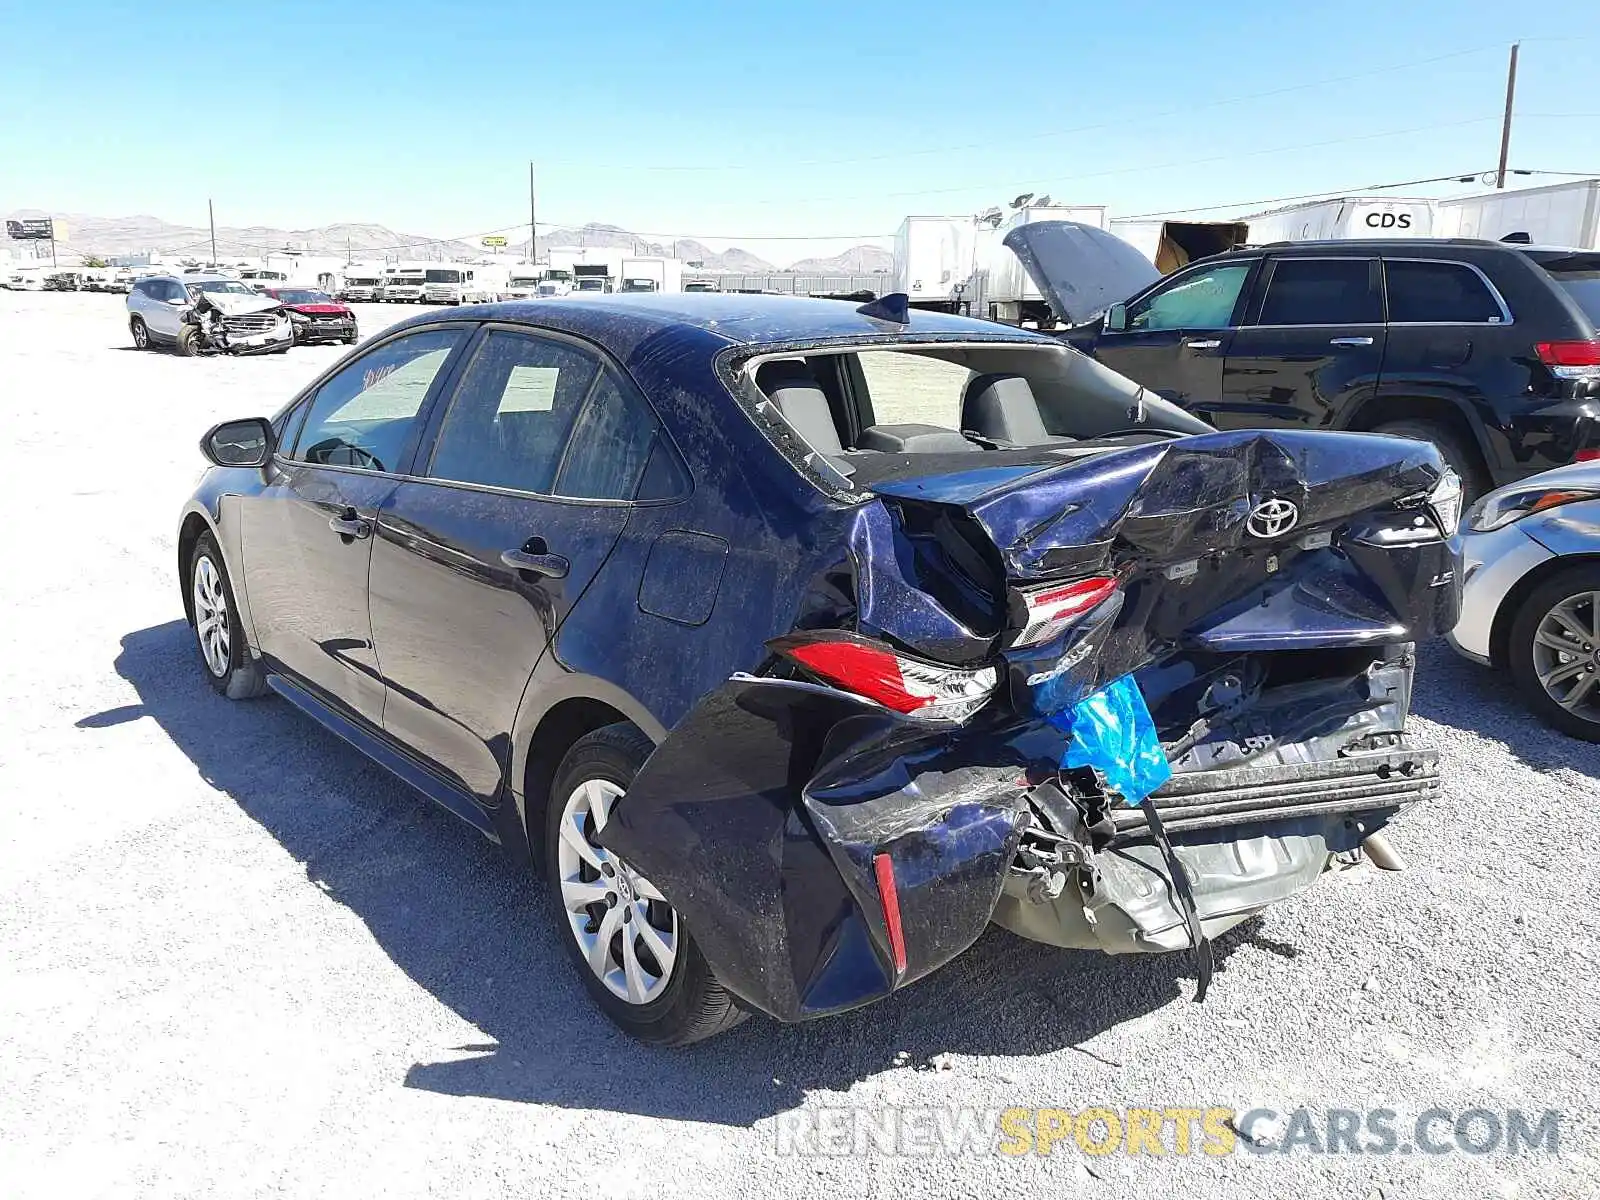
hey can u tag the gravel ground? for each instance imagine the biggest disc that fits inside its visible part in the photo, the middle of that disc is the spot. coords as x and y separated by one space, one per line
238 961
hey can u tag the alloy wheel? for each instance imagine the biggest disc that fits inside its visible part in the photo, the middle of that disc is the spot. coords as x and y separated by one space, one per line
211 624
625 929
141 336
1566 654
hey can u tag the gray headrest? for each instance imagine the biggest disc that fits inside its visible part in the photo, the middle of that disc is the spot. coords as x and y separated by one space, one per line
1002 407
790 385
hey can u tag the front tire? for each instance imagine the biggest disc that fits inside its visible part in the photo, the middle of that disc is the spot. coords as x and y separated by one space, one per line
1555 651
188 344
215 620
632 950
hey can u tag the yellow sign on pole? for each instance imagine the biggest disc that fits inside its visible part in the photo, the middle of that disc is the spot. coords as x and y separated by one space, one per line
494 241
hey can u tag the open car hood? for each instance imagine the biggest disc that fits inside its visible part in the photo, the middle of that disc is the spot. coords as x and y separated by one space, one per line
230 304
1079 269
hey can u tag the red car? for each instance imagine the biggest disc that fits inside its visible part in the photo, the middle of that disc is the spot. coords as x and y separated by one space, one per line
316 316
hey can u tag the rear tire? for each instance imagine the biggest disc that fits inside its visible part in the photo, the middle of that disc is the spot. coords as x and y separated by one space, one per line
1458 456
141 333
677 1003
215 620
1554 640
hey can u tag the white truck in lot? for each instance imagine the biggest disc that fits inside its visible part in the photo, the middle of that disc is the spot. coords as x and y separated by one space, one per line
522 283
1000 289
1344 217
934 260
456 283
1561 214
359 282
404 283
650 274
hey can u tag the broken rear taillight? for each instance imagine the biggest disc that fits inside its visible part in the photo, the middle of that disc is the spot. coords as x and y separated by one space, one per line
1047 611
917 688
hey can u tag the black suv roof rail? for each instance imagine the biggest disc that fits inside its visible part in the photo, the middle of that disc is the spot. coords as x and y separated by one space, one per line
1368 242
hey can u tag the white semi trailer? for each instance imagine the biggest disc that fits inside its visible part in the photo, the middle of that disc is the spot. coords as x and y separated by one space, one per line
1561 214
1344 217
933 260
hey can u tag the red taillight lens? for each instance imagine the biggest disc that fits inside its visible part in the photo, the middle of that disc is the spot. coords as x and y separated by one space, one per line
1569 354
889 898
904 685
1049 610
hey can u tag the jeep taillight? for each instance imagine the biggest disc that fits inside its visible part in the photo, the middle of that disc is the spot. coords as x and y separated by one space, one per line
912 686
1571 360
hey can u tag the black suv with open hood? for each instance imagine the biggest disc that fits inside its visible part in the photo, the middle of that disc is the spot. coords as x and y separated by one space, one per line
1486 349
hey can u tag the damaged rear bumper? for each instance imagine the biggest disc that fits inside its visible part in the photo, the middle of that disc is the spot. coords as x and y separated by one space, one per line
1247 837
768 816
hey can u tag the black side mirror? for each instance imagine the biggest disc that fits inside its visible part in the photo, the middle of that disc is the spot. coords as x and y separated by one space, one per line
246 443
1117 318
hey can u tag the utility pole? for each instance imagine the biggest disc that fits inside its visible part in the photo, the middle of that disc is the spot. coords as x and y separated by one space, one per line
533 224
211 210
1505 129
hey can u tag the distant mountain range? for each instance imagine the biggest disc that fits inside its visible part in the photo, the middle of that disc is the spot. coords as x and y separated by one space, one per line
105 236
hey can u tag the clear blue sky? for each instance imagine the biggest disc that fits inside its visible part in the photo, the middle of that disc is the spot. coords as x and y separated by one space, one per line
730 119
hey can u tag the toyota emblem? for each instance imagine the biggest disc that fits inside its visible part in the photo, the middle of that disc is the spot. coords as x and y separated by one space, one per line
1272 518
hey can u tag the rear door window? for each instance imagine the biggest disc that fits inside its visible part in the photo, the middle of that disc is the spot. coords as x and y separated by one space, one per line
1439 293
365 414
512 413
1322 291
610 445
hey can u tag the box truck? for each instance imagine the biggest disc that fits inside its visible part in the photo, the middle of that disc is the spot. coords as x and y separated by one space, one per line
1344 217
1561 214
933 260
650 274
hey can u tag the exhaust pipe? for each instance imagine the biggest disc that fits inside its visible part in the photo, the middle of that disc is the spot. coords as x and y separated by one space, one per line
1383 855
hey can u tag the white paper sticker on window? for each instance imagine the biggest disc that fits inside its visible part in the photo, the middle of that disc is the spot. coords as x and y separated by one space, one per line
530 389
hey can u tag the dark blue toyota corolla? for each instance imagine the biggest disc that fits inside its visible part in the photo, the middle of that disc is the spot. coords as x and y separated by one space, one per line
795 641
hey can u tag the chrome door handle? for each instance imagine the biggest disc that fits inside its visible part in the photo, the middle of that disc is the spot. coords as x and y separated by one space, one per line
551 566
1204 344
1354 341
349 525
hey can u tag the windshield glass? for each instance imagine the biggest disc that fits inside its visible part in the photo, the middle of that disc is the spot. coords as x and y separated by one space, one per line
444 276
231 286
303 296
361 282
405 281
563 276
521 281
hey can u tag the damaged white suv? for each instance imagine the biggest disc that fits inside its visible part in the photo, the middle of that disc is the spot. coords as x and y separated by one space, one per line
206 314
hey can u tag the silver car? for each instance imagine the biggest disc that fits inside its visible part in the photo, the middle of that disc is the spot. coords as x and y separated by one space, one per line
206 314
1530 604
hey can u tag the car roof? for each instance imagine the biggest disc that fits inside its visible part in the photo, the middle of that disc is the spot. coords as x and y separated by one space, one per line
622 320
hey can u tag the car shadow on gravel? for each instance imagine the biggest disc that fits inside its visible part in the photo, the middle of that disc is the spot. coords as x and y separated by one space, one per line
450 910
1455 691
